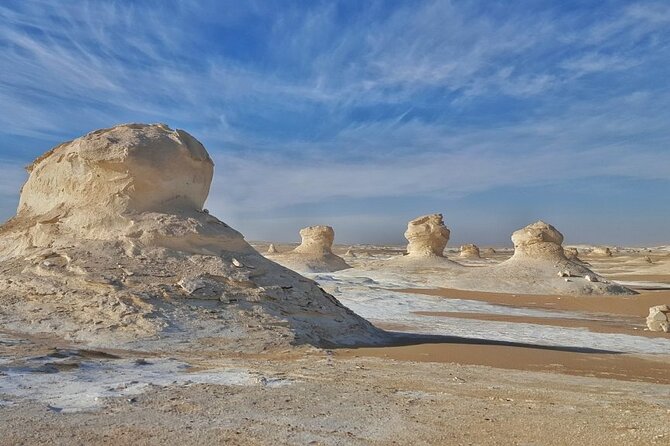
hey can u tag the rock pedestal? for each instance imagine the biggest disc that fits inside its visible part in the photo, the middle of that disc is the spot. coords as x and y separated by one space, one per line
427 236
470 251
315 253
539 240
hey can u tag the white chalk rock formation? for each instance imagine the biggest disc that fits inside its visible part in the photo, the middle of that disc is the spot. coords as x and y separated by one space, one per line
601 251
111 245
538 266
538 241
659 318
314 254
488 252
571 253
272 249
427 236
470 251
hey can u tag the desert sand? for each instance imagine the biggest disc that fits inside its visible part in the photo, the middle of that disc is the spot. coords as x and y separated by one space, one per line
130 315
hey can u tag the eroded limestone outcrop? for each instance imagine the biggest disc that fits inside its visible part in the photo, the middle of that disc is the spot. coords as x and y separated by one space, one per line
571 253
659 318
470 251
538 241
601 251
111 244
538 266
314 254
427 236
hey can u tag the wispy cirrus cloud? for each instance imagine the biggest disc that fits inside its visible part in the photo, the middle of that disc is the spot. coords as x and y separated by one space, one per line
303 103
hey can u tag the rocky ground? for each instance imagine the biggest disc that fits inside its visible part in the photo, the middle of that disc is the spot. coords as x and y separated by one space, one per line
56 392
319 397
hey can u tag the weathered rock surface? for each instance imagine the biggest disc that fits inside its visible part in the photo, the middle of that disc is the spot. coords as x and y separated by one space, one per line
111 245
314 254
489 252
427 236
272 249
601 251
659 318
470 251
538 266
571 253
538 241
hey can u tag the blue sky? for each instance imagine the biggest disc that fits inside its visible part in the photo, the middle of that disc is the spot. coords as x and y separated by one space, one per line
363 115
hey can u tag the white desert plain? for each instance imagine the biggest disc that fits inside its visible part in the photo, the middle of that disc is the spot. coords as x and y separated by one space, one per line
130 315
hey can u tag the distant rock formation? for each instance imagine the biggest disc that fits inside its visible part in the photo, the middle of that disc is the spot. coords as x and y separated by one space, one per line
350 252
659 318
316 240
538 266
538 241
601 251
427 236
488 252
111 245
272 249
314 254
470 251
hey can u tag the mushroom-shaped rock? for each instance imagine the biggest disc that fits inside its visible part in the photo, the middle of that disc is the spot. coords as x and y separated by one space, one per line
316 240
314 254
538 241
470 251
110 227
427 236
659 318
96 180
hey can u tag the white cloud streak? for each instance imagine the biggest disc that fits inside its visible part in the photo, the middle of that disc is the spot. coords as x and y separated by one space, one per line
69 67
